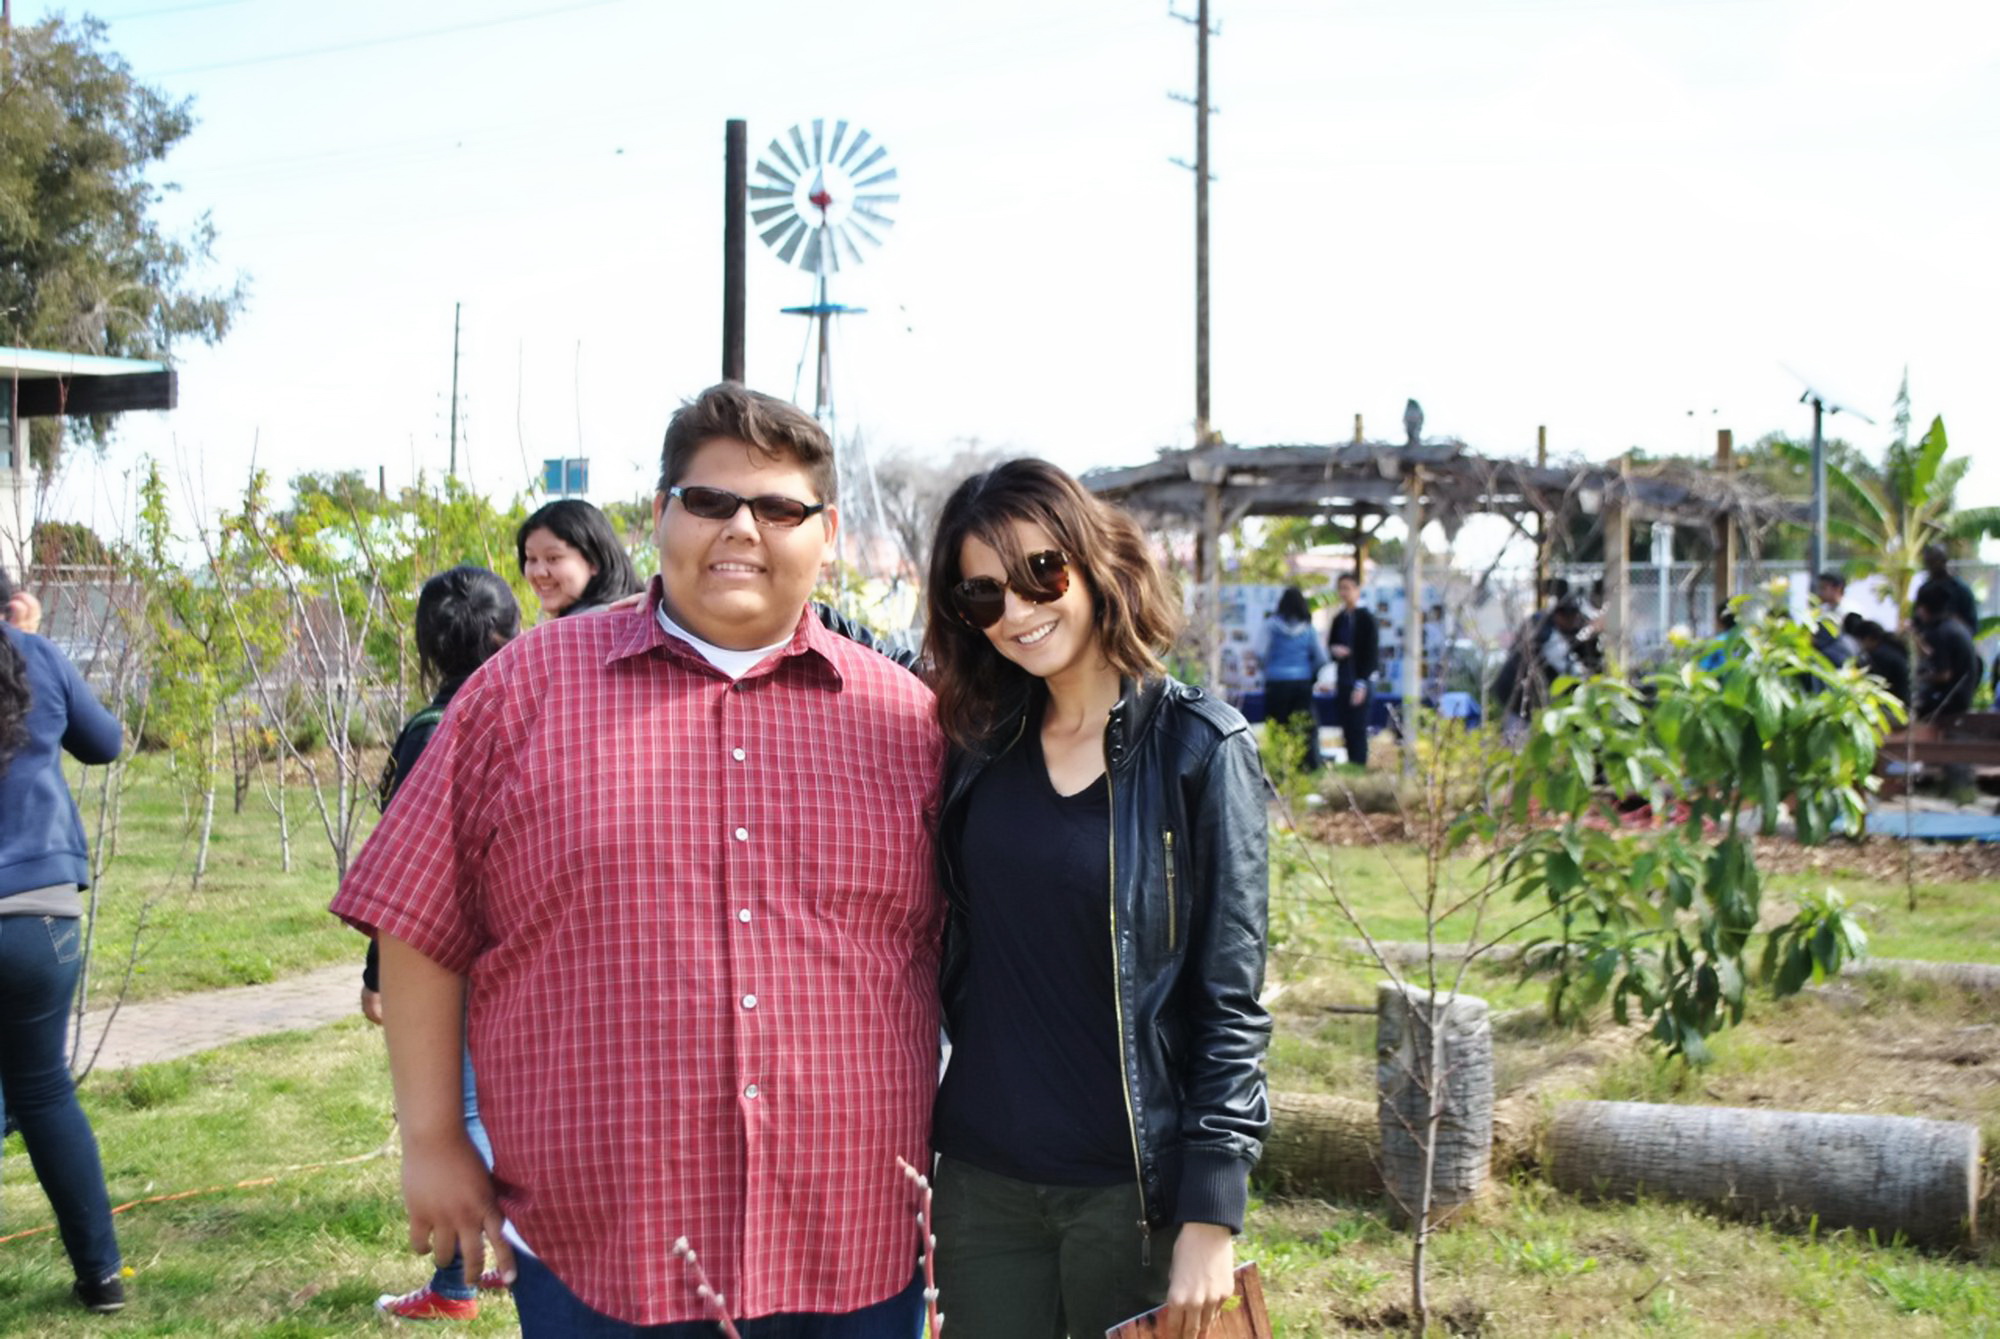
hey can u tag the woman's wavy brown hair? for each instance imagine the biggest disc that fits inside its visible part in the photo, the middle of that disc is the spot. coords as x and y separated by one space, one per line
1135 610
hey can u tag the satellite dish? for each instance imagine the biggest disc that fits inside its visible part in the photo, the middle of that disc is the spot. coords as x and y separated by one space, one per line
1814 395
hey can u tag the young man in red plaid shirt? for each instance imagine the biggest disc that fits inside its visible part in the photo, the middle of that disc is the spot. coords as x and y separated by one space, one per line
671 867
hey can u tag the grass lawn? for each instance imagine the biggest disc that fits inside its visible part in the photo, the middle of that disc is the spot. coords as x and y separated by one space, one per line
249 922
308 1253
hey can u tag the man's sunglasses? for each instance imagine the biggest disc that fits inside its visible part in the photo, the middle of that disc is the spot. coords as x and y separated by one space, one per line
981 601
719 504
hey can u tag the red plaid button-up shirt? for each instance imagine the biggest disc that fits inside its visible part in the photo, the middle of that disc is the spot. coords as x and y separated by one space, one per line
700 925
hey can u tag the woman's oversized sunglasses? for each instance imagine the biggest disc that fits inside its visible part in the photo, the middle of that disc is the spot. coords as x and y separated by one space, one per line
719 504
981 601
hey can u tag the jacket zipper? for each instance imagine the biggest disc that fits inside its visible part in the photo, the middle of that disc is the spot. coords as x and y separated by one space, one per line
1173 937
1118 1005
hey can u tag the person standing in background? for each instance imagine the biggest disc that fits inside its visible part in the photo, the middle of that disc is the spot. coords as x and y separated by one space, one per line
1292 659
1352 641
1959 601
46 709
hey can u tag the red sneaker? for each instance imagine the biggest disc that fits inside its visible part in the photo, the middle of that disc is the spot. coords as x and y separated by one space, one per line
424 1304
493 1281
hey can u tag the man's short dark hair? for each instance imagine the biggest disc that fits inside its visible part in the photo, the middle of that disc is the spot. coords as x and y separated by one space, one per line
1833 579
1933 599
774 428
1350 578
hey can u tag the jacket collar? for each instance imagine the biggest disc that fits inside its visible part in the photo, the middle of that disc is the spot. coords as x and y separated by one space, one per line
1137 708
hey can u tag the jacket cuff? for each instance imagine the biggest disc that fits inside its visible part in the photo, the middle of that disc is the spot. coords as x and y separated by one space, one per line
1215 1188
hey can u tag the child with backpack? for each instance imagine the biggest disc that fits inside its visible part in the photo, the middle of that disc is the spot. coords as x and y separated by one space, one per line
463 617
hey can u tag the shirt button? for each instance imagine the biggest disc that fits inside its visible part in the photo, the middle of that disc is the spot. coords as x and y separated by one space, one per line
744 915
743 834
737 754
749 1001
751 1092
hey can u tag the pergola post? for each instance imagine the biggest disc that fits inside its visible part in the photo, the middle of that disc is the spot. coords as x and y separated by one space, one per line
1542 522
1617 631
1211 580
1725 528
16 494
1413 613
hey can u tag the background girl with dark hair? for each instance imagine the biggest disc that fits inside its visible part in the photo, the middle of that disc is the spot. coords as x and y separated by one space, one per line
1101 844
1292 658
464 616
45 709
571 556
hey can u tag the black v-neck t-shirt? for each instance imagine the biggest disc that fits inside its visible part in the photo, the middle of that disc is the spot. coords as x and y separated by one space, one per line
1034 1090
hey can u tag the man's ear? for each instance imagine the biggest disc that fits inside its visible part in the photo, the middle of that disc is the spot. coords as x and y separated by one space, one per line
659 510
832 518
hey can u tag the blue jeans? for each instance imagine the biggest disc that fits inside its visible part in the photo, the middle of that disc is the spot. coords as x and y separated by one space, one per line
39 962
547 1308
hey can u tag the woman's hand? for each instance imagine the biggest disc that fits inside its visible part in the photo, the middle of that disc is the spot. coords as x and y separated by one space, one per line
371 1005
1203 1278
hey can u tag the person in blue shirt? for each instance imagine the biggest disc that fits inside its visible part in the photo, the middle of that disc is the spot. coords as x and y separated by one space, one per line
46 709
1292 658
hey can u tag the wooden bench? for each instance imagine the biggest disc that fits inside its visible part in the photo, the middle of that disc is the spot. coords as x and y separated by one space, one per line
1968 740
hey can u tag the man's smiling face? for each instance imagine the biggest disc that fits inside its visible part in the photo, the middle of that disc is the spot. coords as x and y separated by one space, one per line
736 583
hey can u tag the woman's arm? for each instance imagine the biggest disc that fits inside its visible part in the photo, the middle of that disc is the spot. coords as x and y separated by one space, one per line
1225 1111
93 734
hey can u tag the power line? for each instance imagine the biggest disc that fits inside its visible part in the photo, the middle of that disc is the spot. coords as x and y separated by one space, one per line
368 43
134 15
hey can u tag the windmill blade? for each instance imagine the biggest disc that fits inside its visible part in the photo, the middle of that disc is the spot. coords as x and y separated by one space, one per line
762 216
791 246
877 179
810 260
853 251
819 141
866 236
860 143
770 193
882 221
783 157
799 143
784 237
877 199
774 174
833 148
880 153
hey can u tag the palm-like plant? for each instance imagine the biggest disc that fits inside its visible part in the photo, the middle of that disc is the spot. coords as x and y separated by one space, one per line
1909 507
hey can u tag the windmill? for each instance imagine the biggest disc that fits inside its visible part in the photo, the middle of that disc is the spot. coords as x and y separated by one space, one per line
822 197
817 199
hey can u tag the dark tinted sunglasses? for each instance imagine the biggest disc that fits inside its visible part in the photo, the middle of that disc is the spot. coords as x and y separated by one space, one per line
981 601
719 504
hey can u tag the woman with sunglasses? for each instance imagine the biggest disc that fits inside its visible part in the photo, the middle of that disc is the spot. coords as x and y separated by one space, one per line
1101 843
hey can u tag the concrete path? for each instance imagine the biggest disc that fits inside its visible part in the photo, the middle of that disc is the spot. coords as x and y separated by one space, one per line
178 1025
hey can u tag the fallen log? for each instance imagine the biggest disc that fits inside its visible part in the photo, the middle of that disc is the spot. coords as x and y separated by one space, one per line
1983 977
1892 1174
1322 1146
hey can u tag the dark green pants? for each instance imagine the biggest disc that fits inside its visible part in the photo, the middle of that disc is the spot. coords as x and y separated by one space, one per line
1022 1261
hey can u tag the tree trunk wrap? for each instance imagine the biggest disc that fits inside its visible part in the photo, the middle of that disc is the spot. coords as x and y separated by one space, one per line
1321 1145
1889 1173
1405 1091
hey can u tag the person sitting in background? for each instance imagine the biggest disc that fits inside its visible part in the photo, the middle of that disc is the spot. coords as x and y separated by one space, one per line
1959 600
46 709
1950 668
1725 631
1830 588
1292 657
1883 656
1354 642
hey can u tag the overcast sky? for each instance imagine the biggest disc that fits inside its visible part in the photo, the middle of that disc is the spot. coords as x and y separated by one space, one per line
1615 217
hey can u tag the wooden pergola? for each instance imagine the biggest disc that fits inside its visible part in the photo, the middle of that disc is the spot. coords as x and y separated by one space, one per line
1210 489
49 383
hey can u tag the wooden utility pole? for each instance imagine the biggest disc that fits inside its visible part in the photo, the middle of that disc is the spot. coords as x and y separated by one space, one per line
735 243
453 472
1204 431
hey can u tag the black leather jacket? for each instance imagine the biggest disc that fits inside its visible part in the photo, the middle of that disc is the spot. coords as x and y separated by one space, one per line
1189 885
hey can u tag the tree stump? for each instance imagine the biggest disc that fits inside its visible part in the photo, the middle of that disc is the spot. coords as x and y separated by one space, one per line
1889 1173
1321 1145
1410 1074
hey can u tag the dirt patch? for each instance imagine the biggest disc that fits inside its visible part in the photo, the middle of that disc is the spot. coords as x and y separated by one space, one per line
1461 1317
1344 827
1881 861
